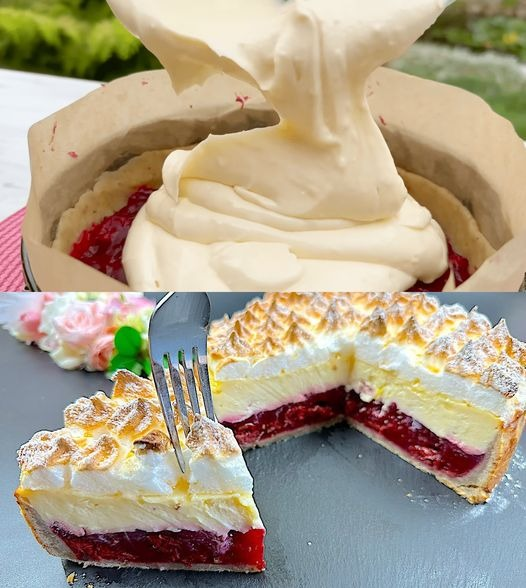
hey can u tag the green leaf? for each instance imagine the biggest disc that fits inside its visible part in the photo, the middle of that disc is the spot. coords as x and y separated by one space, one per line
147 366
124 362
128 341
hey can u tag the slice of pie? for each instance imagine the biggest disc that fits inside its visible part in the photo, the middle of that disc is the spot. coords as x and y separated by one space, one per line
437 385
107 490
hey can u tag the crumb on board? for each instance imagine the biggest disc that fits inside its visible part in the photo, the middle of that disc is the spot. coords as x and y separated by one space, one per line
71 579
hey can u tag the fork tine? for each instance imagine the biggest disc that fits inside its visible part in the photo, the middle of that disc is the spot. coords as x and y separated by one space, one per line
168 413
201 377
180 401
190 383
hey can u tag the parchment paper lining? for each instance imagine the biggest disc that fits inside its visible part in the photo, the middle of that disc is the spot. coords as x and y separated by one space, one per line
440 133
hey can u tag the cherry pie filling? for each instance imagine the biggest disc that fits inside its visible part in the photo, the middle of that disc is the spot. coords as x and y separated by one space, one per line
101 246
412 438
188 548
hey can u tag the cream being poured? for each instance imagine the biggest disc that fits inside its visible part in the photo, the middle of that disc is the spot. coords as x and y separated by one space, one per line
314 203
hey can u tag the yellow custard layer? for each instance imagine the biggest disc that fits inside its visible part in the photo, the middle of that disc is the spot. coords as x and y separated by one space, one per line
474 429
116 513
236 400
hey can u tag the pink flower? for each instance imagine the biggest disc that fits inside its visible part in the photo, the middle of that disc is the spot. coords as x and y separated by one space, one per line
100 353
80 324
29 325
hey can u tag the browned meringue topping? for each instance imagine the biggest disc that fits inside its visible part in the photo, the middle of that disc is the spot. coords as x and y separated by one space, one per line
47 448
100 454
88 413
128 384
473 359
463 343
332 320
476 324
239 330
271 346
154 441
296 335
205 439
500 336
426 305
505 376
396 315
446 316
376 324
447 346
414 334
517 351
99 431
134 418
236 345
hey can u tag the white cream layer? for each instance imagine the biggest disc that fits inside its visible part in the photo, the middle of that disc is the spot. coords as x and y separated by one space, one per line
147 474
111 514
314 203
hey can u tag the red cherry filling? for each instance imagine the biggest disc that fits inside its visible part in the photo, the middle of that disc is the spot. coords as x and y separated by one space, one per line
436 453
317 409
416 441
101 246
188 548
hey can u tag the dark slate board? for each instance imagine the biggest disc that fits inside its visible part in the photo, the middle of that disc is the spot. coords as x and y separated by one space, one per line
339 510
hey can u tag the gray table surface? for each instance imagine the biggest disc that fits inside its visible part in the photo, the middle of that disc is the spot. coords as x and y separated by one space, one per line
339 510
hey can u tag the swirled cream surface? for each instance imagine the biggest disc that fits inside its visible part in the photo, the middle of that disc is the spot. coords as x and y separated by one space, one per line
314 203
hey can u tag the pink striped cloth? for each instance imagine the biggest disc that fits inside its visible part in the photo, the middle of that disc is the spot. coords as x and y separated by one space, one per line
11 275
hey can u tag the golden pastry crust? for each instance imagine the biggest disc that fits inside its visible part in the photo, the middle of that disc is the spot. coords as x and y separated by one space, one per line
40 529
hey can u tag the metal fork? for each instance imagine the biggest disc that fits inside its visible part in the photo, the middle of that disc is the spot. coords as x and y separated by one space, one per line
178 328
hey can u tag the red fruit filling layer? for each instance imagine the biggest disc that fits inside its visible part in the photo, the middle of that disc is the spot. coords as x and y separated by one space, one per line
101 246
436 453
188 548
415 440
317 409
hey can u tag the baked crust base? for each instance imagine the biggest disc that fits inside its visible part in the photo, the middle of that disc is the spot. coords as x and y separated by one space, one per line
109 194
477 486
168 567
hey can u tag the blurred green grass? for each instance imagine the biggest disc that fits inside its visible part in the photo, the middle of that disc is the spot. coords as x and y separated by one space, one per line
500 80
79 38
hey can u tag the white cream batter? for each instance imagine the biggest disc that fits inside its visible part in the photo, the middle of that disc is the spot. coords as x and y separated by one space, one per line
314 203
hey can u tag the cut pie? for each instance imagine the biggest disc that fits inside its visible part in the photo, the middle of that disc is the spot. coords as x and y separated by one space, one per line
107 490
437 385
